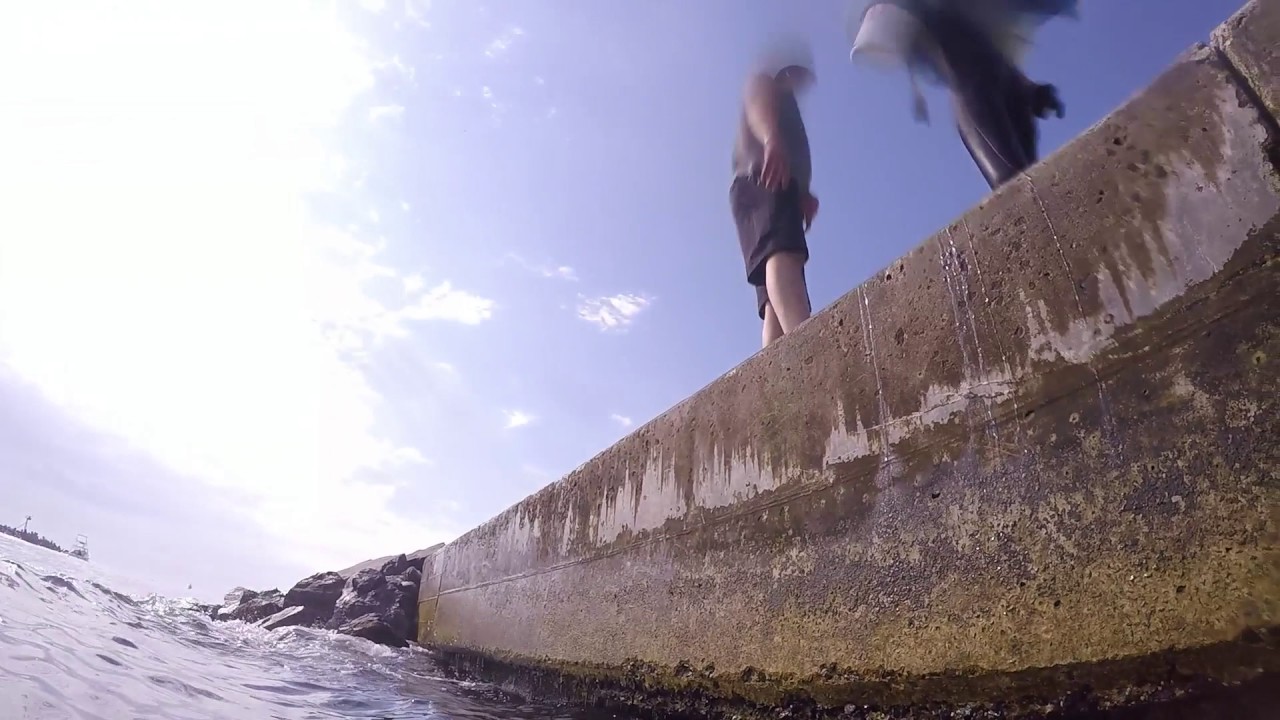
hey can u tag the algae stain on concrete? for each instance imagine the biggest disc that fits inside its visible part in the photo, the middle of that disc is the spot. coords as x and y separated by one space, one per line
1194 201
649 500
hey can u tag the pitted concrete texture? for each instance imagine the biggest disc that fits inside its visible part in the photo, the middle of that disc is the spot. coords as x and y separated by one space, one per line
1035 454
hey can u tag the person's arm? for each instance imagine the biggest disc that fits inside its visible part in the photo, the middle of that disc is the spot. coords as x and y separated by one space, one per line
761 103
761 107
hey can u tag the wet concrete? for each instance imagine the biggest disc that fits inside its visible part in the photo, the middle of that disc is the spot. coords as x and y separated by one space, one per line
1158 686
1031 462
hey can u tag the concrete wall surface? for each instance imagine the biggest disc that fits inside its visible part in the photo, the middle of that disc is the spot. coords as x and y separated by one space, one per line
1034 458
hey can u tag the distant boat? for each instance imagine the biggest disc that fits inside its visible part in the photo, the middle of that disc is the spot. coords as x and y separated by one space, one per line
81 550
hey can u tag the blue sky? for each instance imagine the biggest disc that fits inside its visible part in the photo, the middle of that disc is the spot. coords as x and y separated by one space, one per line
288 285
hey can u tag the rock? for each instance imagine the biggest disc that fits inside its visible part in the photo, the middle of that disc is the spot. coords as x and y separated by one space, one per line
409 607
418 557
295 615
231 601
365 582
370 627
393 599
398 565
258 607
413 575
237 596
317 594
387 594
402 565
368 592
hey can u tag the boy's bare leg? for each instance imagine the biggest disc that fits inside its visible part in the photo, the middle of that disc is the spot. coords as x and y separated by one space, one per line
788 295
772 328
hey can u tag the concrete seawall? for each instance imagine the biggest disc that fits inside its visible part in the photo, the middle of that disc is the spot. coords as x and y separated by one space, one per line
1033 464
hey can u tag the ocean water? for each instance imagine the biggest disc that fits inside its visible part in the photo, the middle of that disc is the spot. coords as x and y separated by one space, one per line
77 644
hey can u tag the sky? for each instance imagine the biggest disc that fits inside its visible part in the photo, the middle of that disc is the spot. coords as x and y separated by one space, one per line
288 285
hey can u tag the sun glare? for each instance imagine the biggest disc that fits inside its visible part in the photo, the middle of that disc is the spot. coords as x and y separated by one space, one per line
159 274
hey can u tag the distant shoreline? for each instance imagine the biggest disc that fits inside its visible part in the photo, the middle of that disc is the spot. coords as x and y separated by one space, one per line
32 537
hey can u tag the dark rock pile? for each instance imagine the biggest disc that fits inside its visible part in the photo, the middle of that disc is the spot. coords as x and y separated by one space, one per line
249 605
376 604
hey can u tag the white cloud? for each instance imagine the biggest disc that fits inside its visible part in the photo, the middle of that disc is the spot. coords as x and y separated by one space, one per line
501 44
404 206
336 272
405 456
558 272
416 11
187 260
498 107
622 420
614 312
413 284
443 302
352 319
446 368
408 72
385 113
517 418
374 6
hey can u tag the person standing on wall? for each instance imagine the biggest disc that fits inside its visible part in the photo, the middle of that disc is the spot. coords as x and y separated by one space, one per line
772 204
974 48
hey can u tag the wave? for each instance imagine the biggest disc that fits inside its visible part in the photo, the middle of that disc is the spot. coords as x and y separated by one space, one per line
74 646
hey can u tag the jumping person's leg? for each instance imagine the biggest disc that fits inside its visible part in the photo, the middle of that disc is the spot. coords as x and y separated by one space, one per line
1018 107
988 133
983 87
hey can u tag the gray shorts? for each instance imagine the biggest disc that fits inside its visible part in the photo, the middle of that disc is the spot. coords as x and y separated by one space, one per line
768 222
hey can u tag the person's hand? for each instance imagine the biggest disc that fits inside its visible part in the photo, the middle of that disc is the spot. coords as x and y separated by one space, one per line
809 206
1045 98
776 171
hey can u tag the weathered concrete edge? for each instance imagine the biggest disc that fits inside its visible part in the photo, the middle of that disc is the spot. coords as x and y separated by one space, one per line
1250 42
517 661
1160 681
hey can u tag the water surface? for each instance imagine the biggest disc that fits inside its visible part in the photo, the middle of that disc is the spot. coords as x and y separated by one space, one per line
75 643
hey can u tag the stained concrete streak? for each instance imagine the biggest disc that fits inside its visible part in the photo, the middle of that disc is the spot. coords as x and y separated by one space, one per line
883 417
986 303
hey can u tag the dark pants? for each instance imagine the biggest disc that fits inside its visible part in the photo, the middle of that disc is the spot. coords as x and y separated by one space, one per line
768 222
993 104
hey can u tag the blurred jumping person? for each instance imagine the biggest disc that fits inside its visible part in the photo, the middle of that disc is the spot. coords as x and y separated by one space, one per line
975 49
770 197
